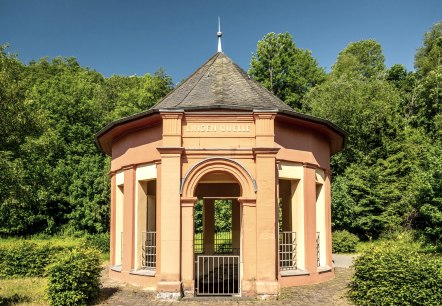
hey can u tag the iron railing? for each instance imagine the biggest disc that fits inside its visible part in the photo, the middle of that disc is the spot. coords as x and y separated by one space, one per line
217 275
149 250
198 243
318 254
223 242
287 251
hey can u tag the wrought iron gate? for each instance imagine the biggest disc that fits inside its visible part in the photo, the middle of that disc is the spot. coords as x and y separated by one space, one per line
217 275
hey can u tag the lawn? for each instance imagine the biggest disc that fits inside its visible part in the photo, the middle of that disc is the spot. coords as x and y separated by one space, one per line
61 241
23 291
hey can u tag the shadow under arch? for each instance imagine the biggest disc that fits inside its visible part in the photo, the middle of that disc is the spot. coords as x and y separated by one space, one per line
218 164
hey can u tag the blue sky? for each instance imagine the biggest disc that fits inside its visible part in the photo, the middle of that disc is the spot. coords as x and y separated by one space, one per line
137 37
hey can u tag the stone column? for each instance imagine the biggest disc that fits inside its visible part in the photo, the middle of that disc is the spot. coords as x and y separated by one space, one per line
169 285
129 219
310 218
158 218
266 223
328 228
112 217
266 204
236 226
209 226
187 247
141 217
248 247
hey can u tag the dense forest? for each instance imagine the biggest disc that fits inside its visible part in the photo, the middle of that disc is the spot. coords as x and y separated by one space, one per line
388 178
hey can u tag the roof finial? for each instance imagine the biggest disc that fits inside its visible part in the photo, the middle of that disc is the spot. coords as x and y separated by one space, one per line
219 34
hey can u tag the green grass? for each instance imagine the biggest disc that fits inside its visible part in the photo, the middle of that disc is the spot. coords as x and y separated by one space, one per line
406 237
56 241
23 291
61 241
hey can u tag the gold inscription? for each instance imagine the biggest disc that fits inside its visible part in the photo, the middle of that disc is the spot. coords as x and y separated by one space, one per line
223 128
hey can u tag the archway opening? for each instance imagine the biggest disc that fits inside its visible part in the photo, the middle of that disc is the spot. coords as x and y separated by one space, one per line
217 237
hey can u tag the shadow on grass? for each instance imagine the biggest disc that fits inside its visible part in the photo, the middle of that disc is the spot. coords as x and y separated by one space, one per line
14 299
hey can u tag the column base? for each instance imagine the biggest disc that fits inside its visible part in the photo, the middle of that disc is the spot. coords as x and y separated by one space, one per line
248 288
267 290
188 288
169 290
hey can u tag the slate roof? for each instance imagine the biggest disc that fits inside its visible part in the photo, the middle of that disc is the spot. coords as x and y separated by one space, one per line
220 83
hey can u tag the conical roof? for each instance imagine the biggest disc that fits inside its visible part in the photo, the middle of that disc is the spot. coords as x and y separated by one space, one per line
220 83
223 85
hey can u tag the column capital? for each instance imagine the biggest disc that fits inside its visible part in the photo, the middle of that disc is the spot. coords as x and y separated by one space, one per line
129 167
170 150
264 114
188 202
172 113
268 151
247 201
309 165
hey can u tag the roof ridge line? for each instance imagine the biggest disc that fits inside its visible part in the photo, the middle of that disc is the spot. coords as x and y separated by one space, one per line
180 84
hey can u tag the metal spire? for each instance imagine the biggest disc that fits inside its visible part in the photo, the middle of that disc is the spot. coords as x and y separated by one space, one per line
219 34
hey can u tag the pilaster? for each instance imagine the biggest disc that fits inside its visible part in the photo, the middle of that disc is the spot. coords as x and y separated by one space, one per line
172 129
248 247
187 247
267 222
236 225
328 226
209 226
129 219
113 217
158 218
169 285
310 218
265 128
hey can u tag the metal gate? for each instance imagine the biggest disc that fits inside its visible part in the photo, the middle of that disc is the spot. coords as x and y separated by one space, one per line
217 275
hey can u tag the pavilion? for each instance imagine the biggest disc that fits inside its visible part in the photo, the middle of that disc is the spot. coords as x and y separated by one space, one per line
220 138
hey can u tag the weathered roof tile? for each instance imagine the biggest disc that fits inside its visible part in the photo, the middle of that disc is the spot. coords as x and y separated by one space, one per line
220 83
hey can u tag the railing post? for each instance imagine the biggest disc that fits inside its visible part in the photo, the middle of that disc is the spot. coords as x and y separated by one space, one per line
318 248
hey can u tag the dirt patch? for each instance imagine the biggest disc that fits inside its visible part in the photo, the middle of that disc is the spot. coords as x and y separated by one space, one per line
327 293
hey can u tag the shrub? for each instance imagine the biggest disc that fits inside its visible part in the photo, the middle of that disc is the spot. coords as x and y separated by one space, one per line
100 242
74 277
26 258
396 274
344 242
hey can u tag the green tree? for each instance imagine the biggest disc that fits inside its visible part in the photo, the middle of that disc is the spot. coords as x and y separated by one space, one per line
19 125
284 69
362 59
425 196
427 106
54 176
129 95
367 110
429 55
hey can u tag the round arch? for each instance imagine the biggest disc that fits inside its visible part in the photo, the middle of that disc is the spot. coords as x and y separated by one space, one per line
218 164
